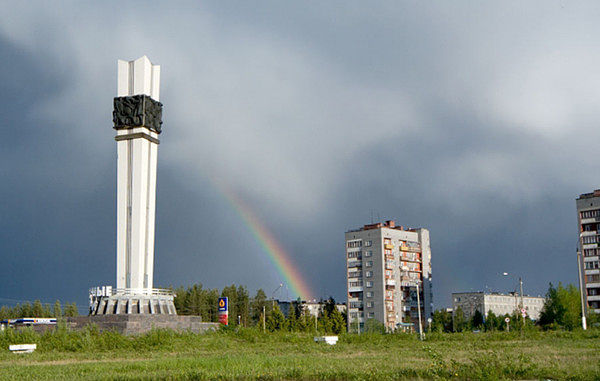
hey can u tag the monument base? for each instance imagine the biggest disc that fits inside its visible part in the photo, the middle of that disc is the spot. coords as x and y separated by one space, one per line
138 324
127 301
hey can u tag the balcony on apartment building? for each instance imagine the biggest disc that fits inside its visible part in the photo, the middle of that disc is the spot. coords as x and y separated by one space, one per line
411 248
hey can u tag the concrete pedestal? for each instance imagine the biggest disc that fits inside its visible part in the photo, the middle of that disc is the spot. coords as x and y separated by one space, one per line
133 305
138 324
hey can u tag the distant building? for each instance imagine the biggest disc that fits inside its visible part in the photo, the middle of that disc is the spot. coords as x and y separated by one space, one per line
499 304
307 307
385 264
588 221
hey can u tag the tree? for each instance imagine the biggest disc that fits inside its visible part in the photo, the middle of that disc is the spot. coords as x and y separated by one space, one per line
304 321
329 305
276 322
374 326
47 310
324 323
71 310
37 309
256 306
26 310
292 320
593 319
338 323
441 321
492 322
243 304
477 320
211 303
561 308
5 313
179 300
57 310
459 322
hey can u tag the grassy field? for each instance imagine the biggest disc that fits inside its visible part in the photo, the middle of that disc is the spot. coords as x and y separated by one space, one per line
248 353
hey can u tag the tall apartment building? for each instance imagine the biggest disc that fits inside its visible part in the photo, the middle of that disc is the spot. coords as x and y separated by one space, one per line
385 264
588 218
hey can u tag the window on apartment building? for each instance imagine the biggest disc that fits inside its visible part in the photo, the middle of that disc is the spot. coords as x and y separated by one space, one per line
591 265
369 304
369 274
355 254
590 213
369 294
593 278
368 253
369 264
589 239
590 252
352 244
369 284
368 243
371 315
593 291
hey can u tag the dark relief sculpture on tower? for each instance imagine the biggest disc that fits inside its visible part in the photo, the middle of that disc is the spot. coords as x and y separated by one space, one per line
137 111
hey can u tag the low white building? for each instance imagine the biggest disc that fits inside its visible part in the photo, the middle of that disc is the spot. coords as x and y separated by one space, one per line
313 308
499 304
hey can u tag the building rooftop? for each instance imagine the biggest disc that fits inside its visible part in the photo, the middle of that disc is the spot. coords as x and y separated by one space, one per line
497 293
595 193
390 224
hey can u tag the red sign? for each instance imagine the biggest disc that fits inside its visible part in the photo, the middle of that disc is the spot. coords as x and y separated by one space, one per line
223 318
223 311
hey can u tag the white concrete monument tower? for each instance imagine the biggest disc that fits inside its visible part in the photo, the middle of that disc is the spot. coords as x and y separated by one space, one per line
137 151
137 118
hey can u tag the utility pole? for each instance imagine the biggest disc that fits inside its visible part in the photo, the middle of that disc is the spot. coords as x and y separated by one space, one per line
581 287
521 285
264 315
416 283
419 311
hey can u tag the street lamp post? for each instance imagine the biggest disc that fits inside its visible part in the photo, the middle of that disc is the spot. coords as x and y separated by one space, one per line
416 283
581 287
273 294
519 307
419 311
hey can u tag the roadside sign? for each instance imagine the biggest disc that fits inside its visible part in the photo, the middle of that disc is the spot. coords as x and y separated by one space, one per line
507 319
223 311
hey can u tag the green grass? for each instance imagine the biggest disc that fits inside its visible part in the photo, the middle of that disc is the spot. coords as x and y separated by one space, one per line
247 353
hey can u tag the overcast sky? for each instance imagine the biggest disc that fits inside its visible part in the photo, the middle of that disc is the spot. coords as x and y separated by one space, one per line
476 121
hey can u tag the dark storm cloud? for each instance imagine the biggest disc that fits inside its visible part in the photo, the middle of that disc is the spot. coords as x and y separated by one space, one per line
476 121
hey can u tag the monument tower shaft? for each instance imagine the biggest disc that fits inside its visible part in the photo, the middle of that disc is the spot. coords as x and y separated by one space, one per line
137 118
137 122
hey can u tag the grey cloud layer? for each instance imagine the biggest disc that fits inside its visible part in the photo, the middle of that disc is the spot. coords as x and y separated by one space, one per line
463 118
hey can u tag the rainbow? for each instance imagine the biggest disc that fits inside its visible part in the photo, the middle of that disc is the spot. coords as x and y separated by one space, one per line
277 255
